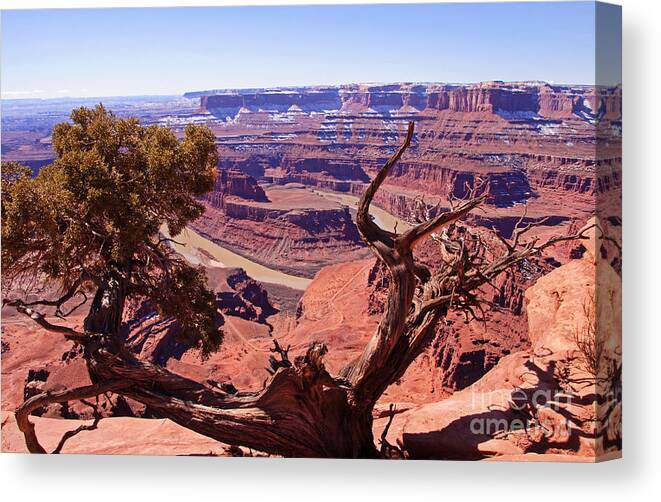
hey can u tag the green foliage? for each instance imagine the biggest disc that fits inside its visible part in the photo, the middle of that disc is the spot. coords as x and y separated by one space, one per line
100 205
12 172
184 296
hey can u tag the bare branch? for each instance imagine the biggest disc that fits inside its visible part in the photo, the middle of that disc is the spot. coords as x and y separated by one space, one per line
71 292
284 361
417 301
377 238
388 450
411 237
40 319
69 434
367 374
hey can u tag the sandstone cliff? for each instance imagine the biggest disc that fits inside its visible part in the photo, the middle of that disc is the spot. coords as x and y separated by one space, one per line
492 97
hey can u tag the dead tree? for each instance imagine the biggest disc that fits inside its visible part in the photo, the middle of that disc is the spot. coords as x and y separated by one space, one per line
303 410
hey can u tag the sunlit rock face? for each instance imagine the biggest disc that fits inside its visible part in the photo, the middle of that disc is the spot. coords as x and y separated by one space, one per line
525 98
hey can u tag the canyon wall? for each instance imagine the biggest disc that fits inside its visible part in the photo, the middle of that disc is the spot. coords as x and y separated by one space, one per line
494 97
525 142
285 227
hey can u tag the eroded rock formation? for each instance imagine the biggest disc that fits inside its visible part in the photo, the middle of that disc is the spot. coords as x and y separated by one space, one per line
525 142
285 227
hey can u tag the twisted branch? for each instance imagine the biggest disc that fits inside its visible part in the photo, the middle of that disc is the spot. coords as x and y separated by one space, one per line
49 397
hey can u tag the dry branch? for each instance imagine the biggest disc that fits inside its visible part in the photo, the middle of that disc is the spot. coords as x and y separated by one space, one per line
46 398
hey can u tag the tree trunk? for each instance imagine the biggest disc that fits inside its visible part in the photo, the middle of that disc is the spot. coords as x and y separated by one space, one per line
302 412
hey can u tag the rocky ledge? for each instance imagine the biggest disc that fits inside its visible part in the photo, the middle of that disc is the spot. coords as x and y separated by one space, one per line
497 97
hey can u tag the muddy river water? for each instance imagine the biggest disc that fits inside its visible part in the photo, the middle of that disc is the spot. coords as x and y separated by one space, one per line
189 243
200 250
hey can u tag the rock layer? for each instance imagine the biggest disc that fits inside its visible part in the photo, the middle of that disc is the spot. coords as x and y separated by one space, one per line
554 148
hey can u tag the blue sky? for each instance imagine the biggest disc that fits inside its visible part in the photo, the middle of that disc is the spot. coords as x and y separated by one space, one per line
110 52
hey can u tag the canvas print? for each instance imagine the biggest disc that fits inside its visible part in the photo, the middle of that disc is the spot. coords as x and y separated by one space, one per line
351 231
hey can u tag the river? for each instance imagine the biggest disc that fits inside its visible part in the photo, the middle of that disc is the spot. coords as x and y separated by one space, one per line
189 243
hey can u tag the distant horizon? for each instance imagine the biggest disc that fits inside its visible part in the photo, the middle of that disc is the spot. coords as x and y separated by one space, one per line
219 89
131 52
